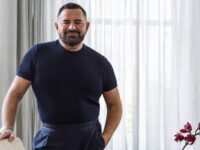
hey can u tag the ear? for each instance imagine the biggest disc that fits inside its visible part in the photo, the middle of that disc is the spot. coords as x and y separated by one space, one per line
87 25
56 25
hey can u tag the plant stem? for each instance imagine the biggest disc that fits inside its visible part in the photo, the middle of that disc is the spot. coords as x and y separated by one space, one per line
196 131
186 143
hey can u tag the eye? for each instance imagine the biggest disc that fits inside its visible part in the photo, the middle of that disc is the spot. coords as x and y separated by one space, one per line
66 22
78 22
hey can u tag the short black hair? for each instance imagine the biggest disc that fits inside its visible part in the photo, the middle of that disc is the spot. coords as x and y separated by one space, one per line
72 6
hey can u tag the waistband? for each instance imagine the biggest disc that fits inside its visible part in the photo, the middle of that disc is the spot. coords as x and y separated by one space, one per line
71 127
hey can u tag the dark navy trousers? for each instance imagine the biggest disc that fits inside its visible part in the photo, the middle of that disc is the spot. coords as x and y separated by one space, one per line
84 136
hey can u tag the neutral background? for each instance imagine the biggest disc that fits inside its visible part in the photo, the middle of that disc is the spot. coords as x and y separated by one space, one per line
153 46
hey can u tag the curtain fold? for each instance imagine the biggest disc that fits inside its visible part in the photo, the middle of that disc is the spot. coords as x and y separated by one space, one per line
8 50
20 29
153 46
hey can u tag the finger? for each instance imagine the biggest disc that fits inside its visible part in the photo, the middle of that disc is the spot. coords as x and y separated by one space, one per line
12 137
5 134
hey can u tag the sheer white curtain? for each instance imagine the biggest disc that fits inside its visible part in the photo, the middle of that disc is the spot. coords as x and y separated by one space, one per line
168 71
153 46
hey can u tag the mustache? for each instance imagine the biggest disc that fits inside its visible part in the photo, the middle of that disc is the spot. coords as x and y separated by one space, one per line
72 31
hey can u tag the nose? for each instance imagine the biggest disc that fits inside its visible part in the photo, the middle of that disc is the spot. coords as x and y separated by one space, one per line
72 26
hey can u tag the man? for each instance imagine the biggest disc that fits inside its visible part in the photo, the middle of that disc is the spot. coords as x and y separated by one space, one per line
68 79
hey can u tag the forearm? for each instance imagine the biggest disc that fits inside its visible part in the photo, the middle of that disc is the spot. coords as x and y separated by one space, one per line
114 114
10 105
9 109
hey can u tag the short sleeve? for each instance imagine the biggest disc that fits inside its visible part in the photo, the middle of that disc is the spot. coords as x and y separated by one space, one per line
27 66
109 79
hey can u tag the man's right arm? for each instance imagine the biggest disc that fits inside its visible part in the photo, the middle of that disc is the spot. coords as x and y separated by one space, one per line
15 93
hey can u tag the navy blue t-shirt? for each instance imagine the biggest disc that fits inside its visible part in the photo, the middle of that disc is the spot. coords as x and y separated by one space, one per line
67 84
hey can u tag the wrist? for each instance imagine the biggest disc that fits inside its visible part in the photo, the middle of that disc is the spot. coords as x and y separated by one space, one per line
106 138
7 128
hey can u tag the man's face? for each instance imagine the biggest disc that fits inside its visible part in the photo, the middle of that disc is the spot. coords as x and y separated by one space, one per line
71 26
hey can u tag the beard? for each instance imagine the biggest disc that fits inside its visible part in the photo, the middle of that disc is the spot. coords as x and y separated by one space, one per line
72 38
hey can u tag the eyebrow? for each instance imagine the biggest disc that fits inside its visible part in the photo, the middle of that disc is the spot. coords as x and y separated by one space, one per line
63 19
76 20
